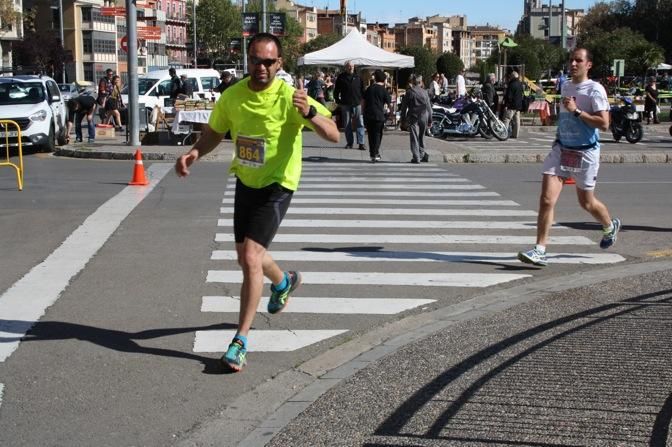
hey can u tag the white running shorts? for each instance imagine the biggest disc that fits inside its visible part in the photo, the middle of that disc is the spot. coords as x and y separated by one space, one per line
586 178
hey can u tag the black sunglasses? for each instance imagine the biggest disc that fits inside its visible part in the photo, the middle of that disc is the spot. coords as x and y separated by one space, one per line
266 62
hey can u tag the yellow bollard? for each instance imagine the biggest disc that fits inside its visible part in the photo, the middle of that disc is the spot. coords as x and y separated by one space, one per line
4 124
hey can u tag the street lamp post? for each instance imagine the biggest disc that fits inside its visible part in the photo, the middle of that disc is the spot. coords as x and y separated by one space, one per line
60 17
193 3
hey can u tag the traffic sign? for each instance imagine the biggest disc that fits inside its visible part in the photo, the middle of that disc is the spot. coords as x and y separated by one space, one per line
124 44
149 32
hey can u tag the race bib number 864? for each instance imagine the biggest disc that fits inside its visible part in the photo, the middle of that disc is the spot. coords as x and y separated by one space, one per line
251 151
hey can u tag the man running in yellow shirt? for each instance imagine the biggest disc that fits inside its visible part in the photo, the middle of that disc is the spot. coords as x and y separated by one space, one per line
265 117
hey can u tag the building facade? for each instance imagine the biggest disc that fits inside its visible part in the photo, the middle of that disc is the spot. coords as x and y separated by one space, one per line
386 39
305 15
10 33
485 40
545 22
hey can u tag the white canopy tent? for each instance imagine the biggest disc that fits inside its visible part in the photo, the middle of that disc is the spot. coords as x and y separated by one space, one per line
664 67
355 48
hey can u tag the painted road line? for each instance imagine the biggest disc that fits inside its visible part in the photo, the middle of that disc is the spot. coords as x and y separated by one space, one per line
415 239
263 341
426 224
375 174
401 212
400 202
345 255
387 170
377 278
323 305
310 193
387 179
366 164
368 187
22 305
368 181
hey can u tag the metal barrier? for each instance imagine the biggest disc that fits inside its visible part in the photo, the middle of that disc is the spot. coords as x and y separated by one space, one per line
4 124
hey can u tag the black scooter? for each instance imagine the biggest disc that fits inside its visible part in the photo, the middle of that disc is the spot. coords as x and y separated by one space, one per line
626 122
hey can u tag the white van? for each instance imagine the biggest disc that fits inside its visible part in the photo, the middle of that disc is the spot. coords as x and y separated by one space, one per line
154 87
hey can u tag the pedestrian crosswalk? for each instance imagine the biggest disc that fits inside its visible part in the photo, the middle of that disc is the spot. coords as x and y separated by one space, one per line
374 240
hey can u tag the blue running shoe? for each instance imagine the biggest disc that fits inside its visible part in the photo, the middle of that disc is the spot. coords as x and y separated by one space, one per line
609 237
235 355
279 298
533 256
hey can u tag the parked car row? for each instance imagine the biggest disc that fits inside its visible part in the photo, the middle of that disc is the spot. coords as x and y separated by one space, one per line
36 104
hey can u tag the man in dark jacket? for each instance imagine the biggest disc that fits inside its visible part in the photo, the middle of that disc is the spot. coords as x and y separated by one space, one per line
513 101
489 93
227 80
80 107
348 93
175 84
375 100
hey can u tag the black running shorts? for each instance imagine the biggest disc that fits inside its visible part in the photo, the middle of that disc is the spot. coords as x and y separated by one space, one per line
257 213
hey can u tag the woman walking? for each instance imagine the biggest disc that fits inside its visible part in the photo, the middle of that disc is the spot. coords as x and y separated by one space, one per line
115 104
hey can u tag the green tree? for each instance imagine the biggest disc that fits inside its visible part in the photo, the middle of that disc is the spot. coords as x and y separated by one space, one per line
320 42
651 19
217 23
449 64
622 43
425 65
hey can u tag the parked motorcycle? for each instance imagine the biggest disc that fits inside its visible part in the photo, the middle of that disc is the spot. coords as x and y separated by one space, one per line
625 121
466 117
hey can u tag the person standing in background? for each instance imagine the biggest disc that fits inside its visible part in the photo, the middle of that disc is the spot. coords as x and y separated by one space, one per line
348 93
513 102
376 98
651 101
416 109
461 84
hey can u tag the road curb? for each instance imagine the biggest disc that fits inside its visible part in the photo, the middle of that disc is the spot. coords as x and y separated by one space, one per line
318 375
449 158
539 157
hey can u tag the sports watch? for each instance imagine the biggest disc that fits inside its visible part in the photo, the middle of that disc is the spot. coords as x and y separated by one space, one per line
312 111
578 112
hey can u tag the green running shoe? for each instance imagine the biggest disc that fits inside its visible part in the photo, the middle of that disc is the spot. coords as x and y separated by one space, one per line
235 355
279 298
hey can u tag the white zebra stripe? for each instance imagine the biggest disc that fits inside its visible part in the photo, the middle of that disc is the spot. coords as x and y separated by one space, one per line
367 186
263 341
401 212
323 305
390 279
368 181
425 256
425 224
414 239
310 193
444 202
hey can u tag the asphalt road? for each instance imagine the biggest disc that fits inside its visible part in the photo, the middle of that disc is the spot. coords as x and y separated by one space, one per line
115 359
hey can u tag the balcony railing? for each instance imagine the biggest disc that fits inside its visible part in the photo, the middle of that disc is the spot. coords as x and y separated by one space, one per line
176 41
176 17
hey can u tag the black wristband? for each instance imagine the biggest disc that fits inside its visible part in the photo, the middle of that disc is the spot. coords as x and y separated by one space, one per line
312 111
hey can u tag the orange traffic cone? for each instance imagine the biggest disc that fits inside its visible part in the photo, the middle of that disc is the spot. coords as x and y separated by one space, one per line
569 181
139 178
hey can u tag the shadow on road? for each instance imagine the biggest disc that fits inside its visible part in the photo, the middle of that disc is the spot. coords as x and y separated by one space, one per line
111 338
592 226
596 376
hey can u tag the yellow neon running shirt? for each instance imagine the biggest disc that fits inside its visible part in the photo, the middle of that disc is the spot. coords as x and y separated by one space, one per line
269 114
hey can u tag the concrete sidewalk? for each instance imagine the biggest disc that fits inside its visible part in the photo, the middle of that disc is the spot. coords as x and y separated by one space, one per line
395 148
580 360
